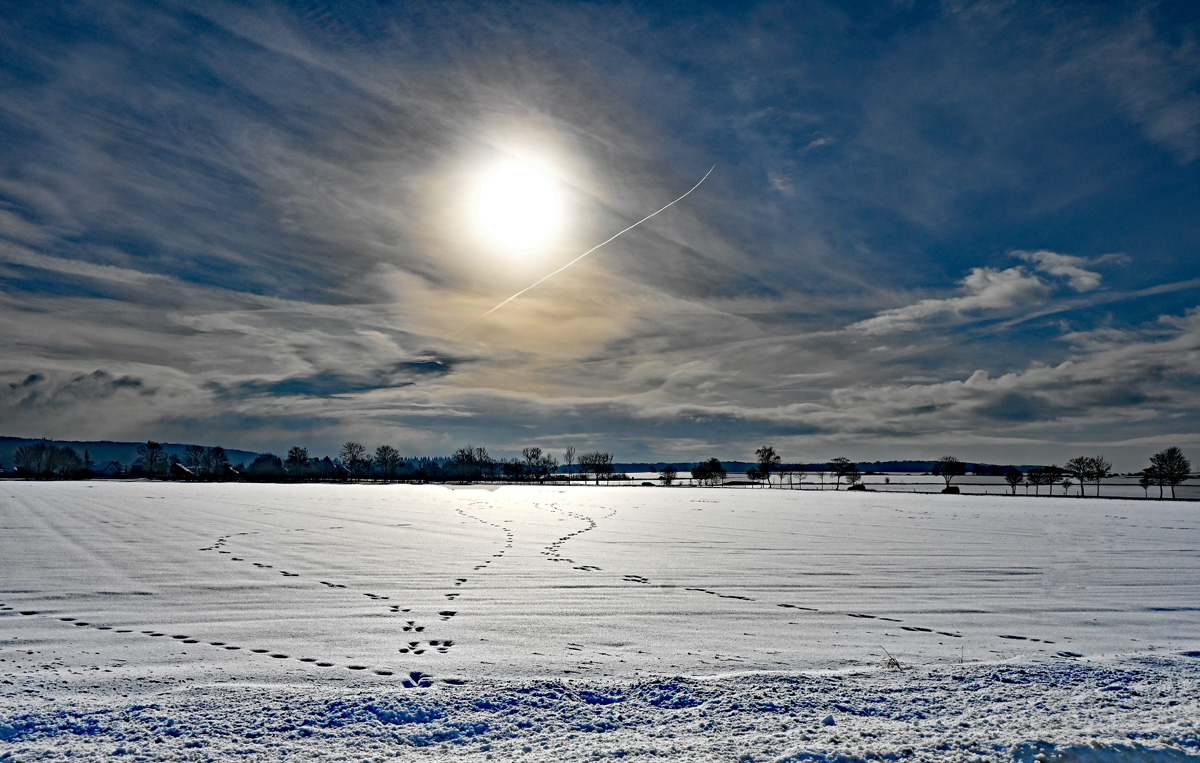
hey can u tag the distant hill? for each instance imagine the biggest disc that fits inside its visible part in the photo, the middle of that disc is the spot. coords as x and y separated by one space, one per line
101 452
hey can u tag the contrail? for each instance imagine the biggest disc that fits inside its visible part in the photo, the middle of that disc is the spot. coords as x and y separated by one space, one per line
585 254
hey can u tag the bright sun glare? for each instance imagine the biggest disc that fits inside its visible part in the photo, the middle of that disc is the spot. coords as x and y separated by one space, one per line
517 206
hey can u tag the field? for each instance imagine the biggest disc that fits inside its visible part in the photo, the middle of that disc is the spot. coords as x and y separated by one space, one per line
195 622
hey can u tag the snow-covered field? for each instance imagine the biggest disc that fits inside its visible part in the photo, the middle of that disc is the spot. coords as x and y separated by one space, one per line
197 622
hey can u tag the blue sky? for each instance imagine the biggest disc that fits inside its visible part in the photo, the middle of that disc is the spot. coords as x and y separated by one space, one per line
962 228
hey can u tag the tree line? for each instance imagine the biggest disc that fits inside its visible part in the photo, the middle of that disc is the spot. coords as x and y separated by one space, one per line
1167 469
466 464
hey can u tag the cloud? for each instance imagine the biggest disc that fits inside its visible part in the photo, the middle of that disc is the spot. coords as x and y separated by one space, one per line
67 404
986 289
1148 374
1063 266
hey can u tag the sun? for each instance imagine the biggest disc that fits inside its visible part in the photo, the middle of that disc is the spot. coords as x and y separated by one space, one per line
517 206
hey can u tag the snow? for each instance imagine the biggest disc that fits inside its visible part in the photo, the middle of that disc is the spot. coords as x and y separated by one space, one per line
170 621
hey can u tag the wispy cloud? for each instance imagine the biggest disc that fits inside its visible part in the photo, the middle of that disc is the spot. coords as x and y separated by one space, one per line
1063 266
985 289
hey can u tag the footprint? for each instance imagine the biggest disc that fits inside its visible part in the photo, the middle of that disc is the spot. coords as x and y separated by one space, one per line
1076 654
324 664
356 667
1015 638
308 659
915 628
417 678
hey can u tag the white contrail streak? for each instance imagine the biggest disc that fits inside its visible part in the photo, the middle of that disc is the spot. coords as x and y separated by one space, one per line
585 254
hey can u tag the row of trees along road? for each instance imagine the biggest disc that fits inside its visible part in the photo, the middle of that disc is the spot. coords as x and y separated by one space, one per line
1168 468
712 473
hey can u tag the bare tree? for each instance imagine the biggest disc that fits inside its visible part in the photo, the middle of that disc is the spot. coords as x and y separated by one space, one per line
667 474
949 467
466 463
387 461
768 461
1145 481
215 462
154 458
1170 467
1014 477
512 469
843 467
546 465
1043 475
1080 468
795 471
1101 468
711 472
485 463
354 456
32 460
569 458
597 463
297 459
193 457
532 456
756 475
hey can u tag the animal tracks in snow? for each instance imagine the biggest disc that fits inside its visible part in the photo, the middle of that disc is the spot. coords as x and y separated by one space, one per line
438 646
441 646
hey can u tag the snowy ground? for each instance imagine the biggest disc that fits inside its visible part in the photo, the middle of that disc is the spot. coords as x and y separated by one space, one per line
196 622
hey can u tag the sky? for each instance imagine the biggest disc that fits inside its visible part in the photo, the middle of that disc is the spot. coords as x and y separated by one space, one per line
964 228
